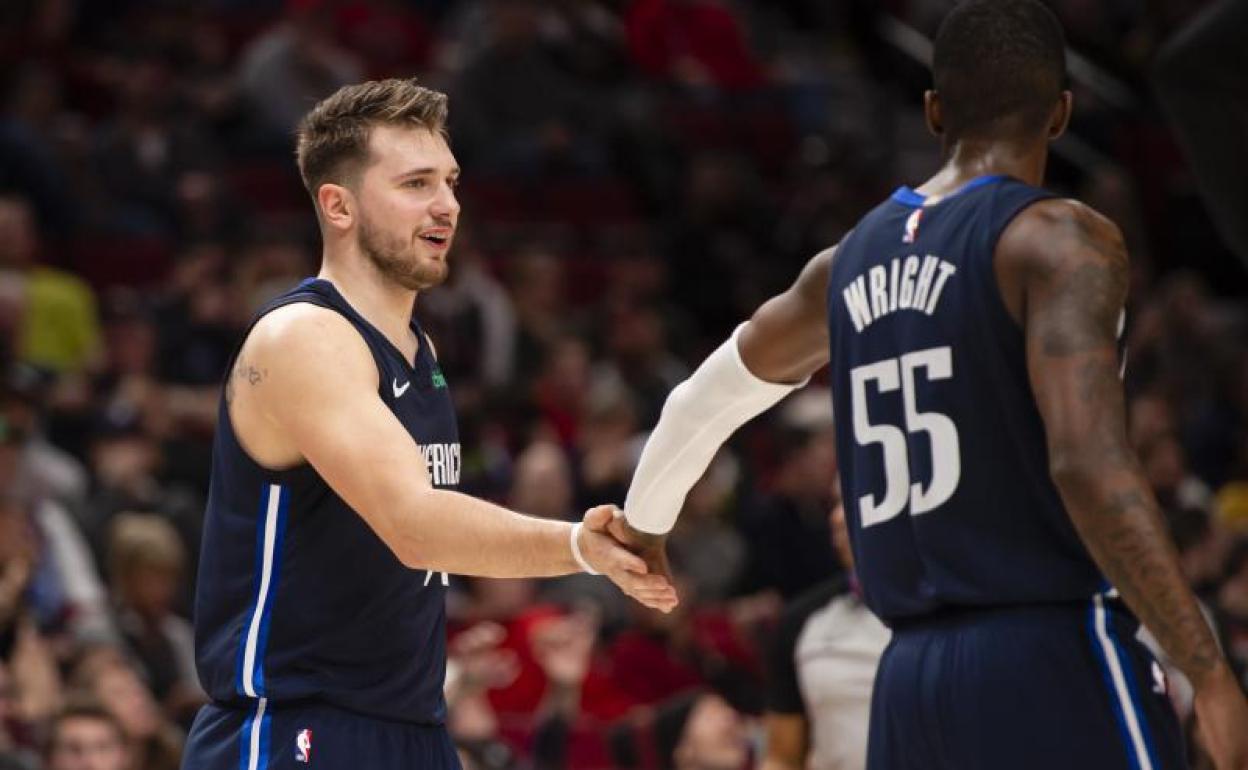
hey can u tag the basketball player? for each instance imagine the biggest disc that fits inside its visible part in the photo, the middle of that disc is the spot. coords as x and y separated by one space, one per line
332 524
1000 522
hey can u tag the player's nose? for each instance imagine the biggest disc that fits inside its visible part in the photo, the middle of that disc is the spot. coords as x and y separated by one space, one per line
445 204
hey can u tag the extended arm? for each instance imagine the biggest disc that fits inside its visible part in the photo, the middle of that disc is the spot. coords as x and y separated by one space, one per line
1073 269
768 357
344 430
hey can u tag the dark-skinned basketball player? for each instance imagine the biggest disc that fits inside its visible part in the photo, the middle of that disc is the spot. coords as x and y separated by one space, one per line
1000 521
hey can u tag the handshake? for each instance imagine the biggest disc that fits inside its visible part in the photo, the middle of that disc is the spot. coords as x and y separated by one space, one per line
635 561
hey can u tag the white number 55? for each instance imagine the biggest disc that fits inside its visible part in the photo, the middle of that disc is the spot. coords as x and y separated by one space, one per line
946 464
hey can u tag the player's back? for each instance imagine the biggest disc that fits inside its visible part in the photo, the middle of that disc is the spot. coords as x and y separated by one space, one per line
942 450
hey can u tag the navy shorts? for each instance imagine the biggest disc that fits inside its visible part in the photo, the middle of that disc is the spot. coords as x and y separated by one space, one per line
308 736
1061 686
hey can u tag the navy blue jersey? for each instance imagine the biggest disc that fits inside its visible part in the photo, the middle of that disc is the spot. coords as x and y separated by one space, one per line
297 598
944 467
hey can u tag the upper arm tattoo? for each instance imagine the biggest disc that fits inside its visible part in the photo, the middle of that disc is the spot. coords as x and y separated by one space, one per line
1086 300
243 373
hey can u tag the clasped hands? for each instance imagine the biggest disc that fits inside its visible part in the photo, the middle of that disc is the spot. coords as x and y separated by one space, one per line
635 561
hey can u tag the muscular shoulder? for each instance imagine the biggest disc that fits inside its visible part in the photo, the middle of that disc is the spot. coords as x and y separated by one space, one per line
1059 245
1062 231
303 334
298 349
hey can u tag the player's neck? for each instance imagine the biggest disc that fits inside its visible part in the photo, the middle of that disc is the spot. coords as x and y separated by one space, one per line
382 302
968 159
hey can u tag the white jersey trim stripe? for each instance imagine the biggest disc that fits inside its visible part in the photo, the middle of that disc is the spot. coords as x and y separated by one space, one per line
272 508
1126 705
257 727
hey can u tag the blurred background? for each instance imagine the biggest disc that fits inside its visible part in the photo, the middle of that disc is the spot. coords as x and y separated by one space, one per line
638 176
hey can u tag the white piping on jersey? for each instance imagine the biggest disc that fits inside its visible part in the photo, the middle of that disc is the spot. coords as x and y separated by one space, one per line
257 726
1125 704
266 576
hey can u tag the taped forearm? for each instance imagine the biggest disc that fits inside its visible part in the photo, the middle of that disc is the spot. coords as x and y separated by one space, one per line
699 416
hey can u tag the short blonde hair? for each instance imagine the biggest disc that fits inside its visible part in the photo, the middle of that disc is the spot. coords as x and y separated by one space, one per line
332 140
143 540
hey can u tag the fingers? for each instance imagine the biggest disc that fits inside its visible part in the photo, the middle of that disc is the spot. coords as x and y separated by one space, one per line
621 559
599 517
653 591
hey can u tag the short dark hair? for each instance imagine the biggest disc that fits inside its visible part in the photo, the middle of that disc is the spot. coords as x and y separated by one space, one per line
999 67
332 139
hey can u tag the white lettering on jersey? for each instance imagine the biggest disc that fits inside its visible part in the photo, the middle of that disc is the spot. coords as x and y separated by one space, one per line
443 463
908 283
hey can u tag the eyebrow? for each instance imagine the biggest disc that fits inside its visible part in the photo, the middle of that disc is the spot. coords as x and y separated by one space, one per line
426 171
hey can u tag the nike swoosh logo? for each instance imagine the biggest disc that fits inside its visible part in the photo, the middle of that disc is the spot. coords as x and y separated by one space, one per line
400 391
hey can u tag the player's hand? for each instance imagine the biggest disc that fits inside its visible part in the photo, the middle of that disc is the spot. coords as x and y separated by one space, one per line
627 570
651 548
1222 716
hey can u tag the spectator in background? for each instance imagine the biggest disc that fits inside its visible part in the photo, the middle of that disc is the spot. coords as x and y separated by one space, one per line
821 672
710 552
695 730
639 356
47 468
561 388
291 66
475 664
30 157
85 736
147 150
1232 604
695 44
392 36
34 688
147 563
500 127
472 318
788 532
536 283
57 329
152 741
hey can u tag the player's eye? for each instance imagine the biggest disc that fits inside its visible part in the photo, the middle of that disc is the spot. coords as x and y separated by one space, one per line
418 183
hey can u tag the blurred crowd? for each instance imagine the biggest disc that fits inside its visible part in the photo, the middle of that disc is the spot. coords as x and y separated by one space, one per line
638 176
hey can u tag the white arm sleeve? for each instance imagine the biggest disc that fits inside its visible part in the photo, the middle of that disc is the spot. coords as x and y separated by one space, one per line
698 417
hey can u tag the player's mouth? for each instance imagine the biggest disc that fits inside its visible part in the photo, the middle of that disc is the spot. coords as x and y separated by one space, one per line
437 237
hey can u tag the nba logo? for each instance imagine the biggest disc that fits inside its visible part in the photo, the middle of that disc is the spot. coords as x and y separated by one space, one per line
303 746
912 226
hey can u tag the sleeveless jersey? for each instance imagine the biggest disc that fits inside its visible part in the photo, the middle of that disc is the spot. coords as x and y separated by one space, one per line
297 599
944 466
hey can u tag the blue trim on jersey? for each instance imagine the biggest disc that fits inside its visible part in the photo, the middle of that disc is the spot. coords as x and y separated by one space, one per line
1119 716
266 737
909 197
1137 703
279 536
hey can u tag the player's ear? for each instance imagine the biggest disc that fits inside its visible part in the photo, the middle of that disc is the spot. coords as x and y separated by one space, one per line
1061 115
337 206
932 113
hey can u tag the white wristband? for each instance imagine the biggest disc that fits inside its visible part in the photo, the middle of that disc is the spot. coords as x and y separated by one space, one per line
576 551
